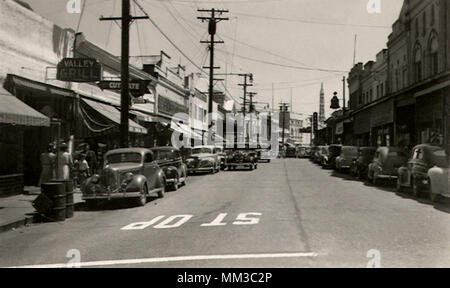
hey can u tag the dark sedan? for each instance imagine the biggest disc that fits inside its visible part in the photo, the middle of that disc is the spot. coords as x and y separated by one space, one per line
170 160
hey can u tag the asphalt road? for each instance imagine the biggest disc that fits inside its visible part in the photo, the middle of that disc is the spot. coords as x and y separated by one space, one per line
289 213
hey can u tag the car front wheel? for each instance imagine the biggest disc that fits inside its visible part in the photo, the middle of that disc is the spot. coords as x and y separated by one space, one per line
162 192
142 200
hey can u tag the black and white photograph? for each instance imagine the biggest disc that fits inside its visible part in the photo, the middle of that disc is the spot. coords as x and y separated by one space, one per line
250 135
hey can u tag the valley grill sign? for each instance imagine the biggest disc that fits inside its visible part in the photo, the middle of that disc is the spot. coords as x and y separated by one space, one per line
79 70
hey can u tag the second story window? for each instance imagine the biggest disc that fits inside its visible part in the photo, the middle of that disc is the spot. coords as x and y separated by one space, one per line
434 56
418 64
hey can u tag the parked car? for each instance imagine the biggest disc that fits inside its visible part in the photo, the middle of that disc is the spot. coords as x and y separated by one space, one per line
303 152
203 159
345 159
170 161
329 156
259 154
439 181
415 173
321 153
242 157
385 164
222 156
291 152
127 173
315 154
360 165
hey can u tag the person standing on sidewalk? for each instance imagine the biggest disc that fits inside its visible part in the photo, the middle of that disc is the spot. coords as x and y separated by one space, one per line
65 162
48 161
91 159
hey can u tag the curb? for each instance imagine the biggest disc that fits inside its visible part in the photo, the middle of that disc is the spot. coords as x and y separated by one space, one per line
27 220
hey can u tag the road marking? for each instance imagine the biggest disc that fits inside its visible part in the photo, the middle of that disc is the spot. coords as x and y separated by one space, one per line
179 259
217 221
252 218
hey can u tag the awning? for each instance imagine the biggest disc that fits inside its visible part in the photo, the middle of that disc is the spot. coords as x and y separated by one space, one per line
28 84
113 114
15 112
144 117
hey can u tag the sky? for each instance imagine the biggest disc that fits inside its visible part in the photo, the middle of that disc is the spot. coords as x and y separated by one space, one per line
291 45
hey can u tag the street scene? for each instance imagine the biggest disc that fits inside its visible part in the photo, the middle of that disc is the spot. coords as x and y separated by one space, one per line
224 134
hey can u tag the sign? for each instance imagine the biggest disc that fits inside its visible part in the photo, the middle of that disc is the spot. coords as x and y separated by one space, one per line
79 70
340 128
137 87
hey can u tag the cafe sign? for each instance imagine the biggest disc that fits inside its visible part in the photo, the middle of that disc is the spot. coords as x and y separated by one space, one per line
79 70
137 87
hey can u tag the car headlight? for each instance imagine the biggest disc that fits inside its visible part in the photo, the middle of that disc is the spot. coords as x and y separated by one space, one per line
127 179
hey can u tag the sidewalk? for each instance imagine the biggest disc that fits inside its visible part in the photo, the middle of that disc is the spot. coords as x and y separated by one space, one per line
17 210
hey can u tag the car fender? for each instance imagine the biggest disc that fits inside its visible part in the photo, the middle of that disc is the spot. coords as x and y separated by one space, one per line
171 172
160 179
137 183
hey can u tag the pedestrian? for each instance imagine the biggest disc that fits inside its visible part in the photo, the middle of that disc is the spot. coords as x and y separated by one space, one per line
91 159
65 162
48 161
83 168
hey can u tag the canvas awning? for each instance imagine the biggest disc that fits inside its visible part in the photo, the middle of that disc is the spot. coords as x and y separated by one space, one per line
112 114
15 112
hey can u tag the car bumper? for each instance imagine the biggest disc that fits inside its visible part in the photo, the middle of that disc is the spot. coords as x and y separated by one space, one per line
111 196
240 164
389 177
202 169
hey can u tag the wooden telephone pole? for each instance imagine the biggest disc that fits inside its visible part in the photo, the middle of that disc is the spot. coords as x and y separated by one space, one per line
212 29
126 19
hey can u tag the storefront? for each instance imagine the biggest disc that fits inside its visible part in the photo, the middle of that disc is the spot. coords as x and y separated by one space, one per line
361 127
431 115
382 123
405 121
57 104
16 120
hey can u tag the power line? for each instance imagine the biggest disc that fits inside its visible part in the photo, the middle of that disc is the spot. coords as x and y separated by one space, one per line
311 21
285 66
167 37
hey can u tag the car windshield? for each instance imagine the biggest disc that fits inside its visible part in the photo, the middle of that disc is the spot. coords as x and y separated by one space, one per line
123 158
201 150
440 159
350 151
335 150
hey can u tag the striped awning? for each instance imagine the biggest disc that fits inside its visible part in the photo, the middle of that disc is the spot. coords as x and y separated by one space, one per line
15 112
113 114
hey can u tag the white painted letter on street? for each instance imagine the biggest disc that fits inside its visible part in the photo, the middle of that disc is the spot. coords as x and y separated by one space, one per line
166 223
245 219
142 225
217 221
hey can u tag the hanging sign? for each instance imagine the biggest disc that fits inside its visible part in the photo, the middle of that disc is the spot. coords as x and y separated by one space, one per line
79 70
137 87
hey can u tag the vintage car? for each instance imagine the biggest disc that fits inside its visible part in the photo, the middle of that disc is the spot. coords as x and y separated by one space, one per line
329 155
170 160
127 173
415 173
303 152
221 155
241 157
261 153
203 159
291 152
315 154
439 181
360 165
385 164
345 159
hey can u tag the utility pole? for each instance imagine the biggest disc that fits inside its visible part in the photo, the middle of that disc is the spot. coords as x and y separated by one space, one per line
125 69
284 108
251 95
245 85
212 29
343 93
